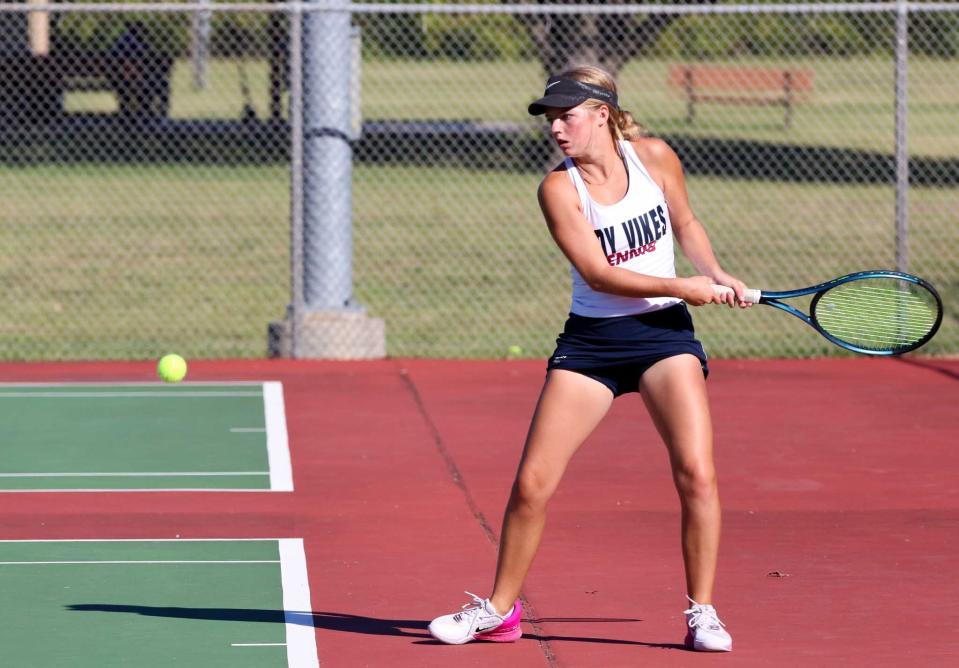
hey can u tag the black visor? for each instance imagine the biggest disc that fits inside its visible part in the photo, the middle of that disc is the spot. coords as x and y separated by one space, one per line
564 93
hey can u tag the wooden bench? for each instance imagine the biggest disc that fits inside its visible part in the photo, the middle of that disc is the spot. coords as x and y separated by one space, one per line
733 84
32 87
141 83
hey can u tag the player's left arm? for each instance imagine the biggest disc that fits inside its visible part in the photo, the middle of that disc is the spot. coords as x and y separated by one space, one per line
666 168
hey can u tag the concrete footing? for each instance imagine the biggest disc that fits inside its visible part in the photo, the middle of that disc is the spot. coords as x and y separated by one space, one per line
335 335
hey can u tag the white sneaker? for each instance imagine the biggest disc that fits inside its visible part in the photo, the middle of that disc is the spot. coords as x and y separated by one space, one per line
478 621
706 632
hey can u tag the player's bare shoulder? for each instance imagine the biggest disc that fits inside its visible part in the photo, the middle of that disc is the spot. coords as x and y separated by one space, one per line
556 186
653 150
658 157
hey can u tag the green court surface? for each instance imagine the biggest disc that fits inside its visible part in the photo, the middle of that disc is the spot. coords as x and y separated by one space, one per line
188 436
156 603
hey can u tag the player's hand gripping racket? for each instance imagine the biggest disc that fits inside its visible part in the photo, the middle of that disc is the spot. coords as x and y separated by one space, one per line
869 312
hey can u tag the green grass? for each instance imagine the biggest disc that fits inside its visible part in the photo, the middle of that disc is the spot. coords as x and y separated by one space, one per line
851 105
129 261
132 261
472 270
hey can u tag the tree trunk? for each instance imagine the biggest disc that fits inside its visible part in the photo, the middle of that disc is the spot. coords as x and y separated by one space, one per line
563 41
279 50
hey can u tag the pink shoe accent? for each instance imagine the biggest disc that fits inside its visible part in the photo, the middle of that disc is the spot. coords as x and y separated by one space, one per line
509 630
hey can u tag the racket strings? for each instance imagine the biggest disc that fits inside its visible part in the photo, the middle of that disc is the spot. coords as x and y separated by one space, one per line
878 314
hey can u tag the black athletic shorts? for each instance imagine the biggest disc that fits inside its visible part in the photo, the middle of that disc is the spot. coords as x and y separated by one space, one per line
617 351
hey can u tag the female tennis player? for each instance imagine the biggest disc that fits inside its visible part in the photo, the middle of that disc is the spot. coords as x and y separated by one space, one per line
613 206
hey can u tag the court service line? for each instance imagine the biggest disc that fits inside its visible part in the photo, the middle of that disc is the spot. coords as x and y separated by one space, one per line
137 474
258 644
104 490
277 439
122 395
297 607
139 540
154 384
124 562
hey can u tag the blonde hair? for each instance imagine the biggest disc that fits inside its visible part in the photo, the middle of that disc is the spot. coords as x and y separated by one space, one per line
622 125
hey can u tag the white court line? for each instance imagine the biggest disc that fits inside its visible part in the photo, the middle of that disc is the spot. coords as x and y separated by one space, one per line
138 561
139 540
122 395
139 474
257 644
278 454
87 490
154 384
277 439
300 634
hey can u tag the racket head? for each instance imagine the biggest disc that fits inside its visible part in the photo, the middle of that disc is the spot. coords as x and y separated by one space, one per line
878 313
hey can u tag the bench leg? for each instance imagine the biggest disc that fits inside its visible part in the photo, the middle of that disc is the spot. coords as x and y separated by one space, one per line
787 99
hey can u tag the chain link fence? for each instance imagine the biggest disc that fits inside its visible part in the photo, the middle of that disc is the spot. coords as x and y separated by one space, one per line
173 175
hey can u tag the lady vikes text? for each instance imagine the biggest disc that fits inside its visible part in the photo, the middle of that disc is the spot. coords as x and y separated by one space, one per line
641 234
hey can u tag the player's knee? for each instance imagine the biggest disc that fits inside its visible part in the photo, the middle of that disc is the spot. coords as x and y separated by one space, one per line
696 482
532 490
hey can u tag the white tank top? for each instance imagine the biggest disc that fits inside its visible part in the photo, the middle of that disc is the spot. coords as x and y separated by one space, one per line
635 234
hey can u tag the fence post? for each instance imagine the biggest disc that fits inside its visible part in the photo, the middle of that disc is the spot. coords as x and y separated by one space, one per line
323 320
200 45
902 135
295 311
327 158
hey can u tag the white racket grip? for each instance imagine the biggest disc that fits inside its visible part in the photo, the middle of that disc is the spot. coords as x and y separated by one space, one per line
750 295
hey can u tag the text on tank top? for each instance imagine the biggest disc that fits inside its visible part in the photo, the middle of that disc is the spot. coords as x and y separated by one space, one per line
635 234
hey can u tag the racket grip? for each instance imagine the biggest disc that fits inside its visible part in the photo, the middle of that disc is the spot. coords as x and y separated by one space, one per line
750 295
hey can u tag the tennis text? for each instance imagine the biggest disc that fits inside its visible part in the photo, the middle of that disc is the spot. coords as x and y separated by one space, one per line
640 234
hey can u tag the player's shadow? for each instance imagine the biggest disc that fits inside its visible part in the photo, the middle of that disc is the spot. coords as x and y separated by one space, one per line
322 620
346 623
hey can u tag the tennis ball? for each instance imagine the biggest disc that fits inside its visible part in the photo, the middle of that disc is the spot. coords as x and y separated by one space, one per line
171 368
514 351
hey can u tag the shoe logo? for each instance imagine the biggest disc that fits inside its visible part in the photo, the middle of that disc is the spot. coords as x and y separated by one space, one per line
485 628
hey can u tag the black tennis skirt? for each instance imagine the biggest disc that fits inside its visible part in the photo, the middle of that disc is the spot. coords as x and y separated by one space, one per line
623 347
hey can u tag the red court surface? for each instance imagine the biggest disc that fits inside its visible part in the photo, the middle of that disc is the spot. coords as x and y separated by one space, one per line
838 478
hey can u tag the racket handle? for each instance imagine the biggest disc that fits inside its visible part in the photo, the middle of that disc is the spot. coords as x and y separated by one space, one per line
750 295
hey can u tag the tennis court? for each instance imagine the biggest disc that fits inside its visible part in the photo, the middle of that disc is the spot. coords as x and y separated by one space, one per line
155 603
97 436
839 490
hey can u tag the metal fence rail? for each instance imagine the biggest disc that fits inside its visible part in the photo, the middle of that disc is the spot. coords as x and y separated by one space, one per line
170 179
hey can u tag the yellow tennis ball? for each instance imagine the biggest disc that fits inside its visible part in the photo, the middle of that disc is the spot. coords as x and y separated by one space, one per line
171 368
514 351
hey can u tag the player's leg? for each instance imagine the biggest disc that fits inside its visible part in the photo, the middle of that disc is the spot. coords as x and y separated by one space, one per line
674 391
569 408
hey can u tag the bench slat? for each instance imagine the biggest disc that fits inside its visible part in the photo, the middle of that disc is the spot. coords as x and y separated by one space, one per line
741 78
740 84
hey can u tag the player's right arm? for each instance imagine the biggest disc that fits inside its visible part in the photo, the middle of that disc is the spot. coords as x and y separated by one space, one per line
575 237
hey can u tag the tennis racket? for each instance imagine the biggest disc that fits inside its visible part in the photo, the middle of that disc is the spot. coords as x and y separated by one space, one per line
870 312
